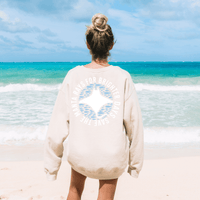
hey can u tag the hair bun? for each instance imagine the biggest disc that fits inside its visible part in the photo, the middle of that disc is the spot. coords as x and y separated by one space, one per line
99 22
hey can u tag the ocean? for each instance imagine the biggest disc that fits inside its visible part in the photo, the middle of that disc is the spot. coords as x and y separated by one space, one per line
168 92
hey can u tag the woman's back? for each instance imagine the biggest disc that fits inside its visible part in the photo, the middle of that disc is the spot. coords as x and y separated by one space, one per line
99 103
97 144
98 110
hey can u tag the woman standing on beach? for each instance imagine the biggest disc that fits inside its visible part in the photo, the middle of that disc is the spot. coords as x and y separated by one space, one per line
97 109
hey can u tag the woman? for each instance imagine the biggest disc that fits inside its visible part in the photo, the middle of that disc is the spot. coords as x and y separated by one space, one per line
97 109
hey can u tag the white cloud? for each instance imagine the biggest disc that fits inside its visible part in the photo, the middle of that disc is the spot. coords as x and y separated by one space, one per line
83 10
40 7
17 26
126 19
174 1
14 26
171 10
16 43
195 3
4 16
76 10
172 19
141 26
44 39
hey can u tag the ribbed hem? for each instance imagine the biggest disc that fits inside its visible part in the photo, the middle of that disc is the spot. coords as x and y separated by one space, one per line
51 177
133 173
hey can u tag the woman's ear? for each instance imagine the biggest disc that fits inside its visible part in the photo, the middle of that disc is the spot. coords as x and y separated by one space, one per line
88 46
112 46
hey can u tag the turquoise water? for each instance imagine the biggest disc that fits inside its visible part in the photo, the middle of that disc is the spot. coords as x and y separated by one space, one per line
47 73
169 95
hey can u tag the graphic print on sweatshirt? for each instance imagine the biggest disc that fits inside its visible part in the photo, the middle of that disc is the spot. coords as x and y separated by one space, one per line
94 101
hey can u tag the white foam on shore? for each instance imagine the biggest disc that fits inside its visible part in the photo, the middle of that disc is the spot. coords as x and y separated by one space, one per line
160 88
152 135
172 135
28 87
138 86
21 133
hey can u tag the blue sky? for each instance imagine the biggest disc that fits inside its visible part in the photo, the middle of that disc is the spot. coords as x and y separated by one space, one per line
54 30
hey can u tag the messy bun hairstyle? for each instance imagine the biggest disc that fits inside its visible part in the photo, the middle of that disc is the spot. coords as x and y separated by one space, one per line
100 37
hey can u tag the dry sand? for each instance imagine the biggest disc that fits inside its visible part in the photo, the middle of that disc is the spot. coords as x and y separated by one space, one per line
175 178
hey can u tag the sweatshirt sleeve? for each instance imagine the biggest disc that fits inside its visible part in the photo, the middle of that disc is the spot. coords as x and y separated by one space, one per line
134 129
58 131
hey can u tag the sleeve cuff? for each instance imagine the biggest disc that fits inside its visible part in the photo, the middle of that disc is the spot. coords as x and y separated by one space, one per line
51 177
133 173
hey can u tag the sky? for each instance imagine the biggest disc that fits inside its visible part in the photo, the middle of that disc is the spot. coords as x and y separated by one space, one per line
144 30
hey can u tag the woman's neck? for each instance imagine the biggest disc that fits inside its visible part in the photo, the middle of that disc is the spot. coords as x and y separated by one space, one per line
101 62
96 64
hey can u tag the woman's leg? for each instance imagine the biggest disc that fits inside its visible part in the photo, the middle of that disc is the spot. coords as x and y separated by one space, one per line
76 185
107 189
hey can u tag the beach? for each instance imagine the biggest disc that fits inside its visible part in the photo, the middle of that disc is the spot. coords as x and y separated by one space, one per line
171 174
169 97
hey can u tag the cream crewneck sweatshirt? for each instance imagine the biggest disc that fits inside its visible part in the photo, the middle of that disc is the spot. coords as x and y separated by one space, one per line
98 111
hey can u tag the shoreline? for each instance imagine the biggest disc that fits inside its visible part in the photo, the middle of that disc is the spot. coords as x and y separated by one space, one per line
33 151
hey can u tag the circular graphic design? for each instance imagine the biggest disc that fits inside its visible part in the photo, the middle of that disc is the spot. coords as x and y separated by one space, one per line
95 101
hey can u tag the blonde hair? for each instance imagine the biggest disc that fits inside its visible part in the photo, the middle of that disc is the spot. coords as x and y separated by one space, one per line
100 37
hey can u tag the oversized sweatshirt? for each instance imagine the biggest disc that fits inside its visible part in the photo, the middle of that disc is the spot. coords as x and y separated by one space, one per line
98 111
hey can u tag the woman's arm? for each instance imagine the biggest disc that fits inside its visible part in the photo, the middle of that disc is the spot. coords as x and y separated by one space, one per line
134 130
58 131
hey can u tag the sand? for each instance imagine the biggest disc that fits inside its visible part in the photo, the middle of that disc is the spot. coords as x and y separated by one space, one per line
171 178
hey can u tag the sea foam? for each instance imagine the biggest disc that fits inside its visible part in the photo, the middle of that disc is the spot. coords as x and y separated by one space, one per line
138 86
160 88
21 133
152 135
172 135
28 87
